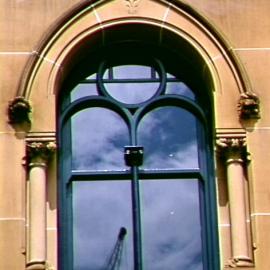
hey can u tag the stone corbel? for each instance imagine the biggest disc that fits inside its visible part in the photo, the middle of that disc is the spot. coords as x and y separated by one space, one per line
235 156
38 155
19 110
249 106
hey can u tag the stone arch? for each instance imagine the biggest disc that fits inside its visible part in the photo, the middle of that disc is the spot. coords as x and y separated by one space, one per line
93 24
90 23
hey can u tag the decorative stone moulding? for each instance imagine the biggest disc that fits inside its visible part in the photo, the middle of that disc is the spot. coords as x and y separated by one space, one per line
227 146
40 149
232 148
19 111
249 106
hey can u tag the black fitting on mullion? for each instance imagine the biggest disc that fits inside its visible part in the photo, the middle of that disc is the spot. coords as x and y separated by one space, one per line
134 155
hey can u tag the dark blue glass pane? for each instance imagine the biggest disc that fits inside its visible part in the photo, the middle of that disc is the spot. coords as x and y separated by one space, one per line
102 225
169 137
98 139
171 224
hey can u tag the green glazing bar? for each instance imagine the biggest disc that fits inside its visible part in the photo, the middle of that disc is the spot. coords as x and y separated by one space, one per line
138 265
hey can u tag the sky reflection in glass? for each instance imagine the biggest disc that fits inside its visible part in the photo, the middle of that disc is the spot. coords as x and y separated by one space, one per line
100 210
131 92
98 139
83 90
171 225
170 208
132 72
169 137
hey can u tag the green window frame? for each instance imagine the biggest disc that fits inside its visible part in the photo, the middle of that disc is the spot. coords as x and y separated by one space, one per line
143 162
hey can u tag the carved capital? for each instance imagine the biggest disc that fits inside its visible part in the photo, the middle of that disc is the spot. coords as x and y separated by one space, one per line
19 110
232 143
232 147
40 151
249 106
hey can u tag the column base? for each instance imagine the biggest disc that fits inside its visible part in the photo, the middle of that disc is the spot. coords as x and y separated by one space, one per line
36 266
242 261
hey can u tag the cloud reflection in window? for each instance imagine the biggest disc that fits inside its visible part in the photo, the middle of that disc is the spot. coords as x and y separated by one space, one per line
98 139
169 137
100 210
171 224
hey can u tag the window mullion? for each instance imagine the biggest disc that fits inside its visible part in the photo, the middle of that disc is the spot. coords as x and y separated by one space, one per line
135 190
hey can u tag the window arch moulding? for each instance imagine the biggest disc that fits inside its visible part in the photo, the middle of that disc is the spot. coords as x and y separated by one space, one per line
92 24
62 44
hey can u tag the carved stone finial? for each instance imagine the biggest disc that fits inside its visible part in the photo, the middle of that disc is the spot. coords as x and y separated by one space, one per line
249 106
132 5
40 150
18 111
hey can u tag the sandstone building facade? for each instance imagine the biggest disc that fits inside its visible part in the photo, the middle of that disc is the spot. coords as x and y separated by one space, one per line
105 166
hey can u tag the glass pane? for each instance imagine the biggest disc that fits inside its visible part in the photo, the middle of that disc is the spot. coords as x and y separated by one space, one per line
170 76
102 225
92 76
169 137
98 139
171 224
83 90
179 88
132 72
132 93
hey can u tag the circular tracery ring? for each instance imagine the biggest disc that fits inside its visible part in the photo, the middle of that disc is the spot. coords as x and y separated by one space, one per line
136 96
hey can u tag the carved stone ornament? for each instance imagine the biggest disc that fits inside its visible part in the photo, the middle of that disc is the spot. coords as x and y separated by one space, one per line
231 143
19 110
132 5
227 146
42 150
249 106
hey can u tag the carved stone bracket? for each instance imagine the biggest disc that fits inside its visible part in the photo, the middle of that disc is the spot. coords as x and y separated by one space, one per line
19 111
249 106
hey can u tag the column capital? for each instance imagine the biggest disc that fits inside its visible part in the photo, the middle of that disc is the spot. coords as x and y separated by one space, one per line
232 148
39 152
236 143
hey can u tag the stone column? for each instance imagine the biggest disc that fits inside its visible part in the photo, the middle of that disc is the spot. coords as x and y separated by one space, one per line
38 154
234 152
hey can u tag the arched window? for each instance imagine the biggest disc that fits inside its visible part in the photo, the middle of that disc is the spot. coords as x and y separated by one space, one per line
137 188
